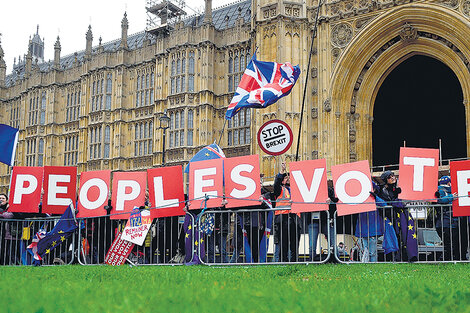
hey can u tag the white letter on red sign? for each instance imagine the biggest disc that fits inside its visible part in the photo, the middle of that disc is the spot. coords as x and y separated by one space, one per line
122 196
103 195
200 183
418 170
159 197
463 187
308 194
250 185
20 188
53 189
340 187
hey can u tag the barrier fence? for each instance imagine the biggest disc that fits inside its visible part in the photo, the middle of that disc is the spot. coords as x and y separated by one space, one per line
419 232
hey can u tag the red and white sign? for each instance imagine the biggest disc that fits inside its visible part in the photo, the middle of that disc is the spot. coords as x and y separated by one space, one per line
25 189
275 137
206 178
119 251
60 188
166 191
242 181
137 227
353 184
93 193
460 178
128 192
418 173
308 183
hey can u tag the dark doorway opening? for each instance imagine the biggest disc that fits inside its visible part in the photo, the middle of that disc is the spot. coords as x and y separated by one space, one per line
419 102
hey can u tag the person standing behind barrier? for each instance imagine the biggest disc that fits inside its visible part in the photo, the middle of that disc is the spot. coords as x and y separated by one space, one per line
4 214
404 222
288 224
448 227
369 226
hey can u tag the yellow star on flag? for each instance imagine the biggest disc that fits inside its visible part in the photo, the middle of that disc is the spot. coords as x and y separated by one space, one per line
187 236
60 232
195 243
207 154
54 243
189 227
62 238
409 217
390 223
398 215
410 227
398 224
48 251
414 236
202 240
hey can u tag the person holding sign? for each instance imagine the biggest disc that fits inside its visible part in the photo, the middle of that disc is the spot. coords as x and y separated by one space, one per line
448 227
288 224
404 223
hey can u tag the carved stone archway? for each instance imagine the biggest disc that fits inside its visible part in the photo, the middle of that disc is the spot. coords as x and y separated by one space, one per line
424 29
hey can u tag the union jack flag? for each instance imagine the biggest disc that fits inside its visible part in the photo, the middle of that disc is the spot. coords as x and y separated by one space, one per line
262 84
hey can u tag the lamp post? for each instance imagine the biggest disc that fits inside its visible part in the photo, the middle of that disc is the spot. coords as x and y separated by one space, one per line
164 124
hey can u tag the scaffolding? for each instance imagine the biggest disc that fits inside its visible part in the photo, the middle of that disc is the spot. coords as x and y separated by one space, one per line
163 14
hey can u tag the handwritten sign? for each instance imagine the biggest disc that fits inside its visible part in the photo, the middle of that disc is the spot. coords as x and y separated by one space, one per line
137 226
119 251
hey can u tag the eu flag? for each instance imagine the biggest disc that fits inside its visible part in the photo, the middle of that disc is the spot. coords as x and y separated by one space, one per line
210 152
61 231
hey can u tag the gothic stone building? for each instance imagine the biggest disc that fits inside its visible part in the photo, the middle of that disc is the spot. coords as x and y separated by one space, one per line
99 108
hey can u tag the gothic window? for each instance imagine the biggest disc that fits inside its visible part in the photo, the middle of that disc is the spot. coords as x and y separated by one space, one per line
71 150
107 140
41 152
191 72
190 128
72 107
143 138
95 142
178 74
31 152
239 128
109 90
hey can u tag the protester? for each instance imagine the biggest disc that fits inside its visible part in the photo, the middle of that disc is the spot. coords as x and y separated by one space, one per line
448 227
404 222
287 224
369 226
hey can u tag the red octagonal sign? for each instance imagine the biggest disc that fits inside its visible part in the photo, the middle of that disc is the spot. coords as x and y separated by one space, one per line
275 137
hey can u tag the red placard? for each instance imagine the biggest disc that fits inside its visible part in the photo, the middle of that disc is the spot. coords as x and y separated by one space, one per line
418 173
242 181
308 183
25 189
60 187
93 193
352 186
119 251
275 137
460 178
206 178
166 191
128 192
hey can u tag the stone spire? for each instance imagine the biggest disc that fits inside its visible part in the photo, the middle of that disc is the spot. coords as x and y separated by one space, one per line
57 49
208 12
89 41
124 28
29 59
3 67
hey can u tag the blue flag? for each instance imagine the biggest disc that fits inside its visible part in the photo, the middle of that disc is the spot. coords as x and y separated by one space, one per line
8 142
45 243
390 242
210 152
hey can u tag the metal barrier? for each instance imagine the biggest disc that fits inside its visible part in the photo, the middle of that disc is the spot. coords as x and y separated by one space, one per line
419 232
422 232
164 244
16 235
257 237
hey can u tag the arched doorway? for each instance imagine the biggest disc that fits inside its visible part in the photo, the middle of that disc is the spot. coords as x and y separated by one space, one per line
419 102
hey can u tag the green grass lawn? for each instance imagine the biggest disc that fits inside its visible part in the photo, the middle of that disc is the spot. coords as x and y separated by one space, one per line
294 288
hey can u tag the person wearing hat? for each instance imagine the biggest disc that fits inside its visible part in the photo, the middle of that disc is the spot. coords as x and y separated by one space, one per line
448 228
404 222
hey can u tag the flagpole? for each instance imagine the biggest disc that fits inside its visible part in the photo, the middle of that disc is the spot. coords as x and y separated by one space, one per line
222 132
306 79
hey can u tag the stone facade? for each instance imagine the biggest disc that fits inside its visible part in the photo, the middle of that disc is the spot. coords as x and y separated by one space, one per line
99 109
